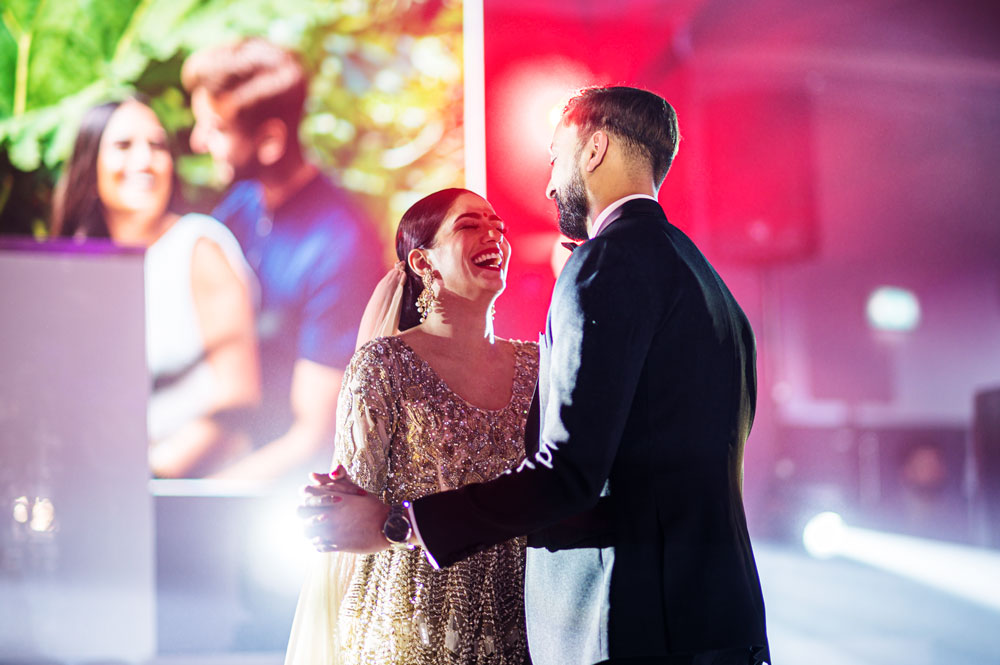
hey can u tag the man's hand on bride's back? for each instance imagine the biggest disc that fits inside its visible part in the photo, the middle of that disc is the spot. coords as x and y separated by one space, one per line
341 517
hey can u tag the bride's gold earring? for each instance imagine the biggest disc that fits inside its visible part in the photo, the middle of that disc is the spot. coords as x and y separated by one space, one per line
426 300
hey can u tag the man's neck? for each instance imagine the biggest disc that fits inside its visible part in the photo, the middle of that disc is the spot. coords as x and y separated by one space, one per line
608 186
597 219
279 187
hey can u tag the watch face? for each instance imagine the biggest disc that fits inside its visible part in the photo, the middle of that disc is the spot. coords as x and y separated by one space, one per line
396 529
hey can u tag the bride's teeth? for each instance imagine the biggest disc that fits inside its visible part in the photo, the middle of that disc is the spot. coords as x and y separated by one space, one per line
492 259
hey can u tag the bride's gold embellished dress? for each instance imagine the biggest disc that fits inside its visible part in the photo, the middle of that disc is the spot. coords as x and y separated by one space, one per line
402 434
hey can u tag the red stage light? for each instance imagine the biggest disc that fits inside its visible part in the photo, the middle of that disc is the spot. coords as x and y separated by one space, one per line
528 95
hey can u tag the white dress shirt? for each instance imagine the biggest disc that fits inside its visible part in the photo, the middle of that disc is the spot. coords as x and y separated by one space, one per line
605 217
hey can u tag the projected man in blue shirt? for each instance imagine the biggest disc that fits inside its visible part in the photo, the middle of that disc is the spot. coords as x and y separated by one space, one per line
314 254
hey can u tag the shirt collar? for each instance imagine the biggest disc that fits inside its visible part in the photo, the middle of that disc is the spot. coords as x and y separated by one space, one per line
606 217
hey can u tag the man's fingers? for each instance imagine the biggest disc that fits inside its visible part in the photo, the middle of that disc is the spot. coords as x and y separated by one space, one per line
323 545
339 486
340 516
306 512
314 530
323 496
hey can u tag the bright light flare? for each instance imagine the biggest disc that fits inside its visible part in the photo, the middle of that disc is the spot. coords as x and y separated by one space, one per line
39 515
970 573
529 96
533 95
823 535
893 309
555 114
280 553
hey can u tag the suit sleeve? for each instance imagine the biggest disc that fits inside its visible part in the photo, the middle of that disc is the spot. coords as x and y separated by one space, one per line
601 329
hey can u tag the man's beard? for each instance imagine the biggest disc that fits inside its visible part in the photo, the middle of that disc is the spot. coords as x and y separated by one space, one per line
572 206
248 169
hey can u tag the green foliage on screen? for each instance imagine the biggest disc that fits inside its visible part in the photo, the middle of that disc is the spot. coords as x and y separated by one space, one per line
384 117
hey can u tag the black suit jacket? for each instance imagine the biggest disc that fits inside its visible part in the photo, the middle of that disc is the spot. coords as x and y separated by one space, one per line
647 386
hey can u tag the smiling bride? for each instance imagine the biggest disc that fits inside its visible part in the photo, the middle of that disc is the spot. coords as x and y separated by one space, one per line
437 406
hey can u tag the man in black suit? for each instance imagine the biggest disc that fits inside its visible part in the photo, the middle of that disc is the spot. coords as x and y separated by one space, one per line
632 490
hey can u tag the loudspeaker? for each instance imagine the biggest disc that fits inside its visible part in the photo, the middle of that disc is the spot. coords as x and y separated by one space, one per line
908 480
986 453
919 482
760 175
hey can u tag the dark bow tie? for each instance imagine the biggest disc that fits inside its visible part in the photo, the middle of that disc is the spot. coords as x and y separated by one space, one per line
571 245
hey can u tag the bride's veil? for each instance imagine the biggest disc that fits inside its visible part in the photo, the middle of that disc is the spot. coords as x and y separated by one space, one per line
381 317
314 638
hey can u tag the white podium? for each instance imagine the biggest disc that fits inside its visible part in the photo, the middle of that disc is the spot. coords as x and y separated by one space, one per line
77 577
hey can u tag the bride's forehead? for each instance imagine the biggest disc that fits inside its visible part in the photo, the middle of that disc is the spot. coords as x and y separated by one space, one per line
470 202
470 206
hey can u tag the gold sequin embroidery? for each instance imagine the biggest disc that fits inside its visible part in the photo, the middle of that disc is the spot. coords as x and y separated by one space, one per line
403 434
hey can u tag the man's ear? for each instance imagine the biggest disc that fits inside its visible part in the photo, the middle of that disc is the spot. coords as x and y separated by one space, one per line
595 150
418 261
272 141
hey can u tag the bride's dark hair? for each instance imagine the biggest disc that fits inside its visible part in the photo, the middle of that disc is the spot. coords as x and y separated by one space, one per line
416 230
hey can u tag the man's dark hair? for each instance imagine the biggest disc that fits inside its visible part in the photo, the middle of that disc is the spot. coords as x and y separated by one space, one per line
261 80
644 121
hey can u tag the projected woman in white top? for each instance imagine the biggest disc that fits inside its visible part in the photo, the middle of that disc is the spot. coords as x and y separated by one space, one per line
201 348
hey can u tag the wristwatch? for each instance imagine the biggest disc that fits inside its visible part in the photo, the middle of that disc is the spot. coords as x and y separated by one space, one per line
397 529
